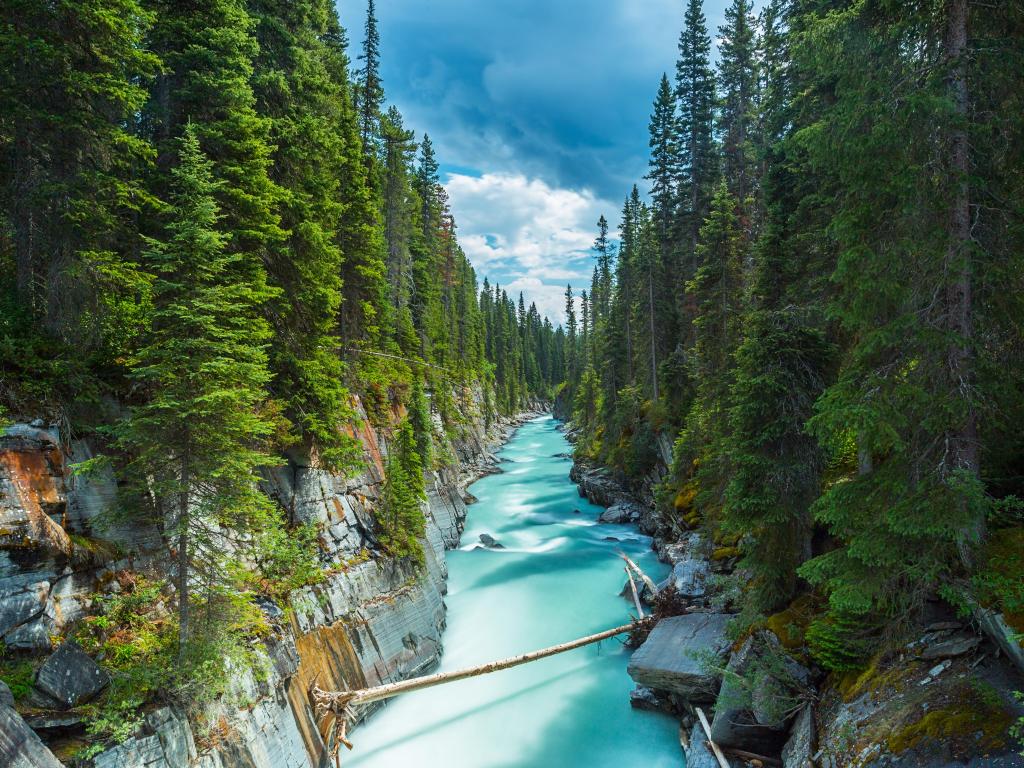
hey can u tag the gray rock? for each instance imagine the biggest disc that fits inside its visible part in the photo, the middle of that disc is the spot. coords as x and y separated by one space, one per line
70 676
951 647
1002 634
21 604
800 746
490 542
749 711
644 698
699 754
6 697
19 745
676 655
619 513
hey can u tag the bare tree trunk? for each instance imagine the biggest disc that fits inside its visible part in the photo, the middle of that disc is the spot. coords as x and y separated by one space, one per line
650 312
183 555
964 441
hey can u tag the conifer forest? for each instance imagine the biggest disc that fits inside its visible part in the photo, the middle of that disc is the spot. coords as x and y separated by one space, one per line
247 373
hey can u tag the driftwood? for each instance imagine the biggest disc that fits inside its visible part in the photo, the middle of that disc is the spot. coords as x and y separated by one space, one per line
714 747
636 597
334 709
639 572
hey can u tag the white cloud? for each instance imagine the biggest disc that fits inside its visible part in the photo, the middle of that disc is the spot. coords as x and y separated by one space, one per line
527 235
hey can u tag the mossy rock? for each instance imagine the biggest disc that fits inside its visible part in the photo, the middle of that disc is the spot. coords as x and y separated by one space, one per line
790 625
964 720
725 553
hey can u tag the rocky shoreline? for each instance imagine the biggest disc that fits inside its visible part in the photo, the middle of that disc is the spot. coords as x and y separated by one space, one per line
945 699
372 620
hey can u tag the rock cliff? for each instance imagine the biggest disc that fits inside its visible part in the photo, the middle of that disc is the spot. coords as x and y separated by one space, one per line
372 619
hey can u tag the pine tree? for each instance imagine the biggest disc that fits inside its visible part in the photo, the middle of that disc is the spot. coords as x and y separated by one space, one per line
902 414
195 442
300 88
738 78
717 290
72 80
663 161
371 87
695 93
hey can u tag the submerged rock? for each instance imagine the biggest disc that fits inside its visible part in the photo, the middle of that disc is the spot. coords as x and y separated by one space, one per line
490 542
679 655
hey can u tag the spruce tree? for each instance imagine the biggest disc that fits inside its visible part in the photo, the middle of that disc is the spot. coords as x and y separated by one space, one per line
695 93
738 78
195 441
370 96
300 88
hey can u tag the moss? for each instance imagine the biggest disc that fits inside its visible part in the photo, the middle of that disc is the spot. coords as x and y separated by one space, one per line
875 679
959 721
725 553
790 625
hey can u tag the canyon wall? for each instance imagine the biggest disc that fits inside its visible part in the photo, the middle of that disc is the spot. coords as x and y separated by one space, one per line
372 620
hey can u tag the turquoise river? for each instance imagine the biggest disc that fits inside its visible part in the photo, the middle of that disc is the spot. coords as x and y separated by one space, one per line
558 578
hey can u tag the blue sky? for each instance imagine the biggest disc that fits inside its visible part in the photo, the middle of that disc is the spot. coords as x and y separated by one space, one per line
538 110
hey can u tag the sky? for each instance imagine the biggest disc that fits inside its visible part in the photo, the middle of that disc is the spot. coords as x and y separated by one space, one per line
538 111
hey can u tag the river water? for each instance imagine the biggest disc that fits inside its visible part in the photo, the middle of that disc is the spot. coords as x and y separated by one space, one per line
557 579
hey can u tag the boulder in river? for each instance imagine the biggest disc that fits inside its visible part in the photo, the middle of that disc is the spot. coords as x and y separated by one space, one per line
624 512
490 542
679 655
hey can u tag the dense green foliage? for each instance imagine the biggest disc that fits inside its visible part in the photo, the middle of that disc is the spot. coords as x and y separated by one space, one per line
821 303
216 234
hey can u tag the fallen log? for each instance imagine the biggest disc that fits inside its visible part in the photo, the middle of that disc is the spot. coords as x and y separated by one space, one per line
334 700
639 572
636 597
714 747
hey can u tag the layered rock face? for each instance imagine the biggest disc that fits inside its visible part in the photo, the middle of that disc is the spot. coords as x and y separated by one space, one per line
372 620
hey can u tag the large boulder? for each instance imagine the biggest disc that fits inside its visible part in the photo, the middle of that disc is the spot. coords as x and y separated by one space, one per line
19 745
680 656
623 512
799 749
761 686
70 677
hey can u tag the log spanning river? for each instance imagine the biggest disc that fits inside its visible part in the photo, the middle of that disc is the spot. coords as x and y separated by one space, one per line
557 578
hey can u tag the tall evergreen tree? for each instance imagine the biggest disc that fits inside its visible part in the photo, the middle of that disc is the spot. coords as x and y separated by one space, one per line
738 79
371 87
203 365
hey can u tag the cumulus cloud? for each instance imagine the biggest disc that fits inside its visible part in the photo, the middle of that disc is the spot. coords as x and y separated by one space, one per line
526 234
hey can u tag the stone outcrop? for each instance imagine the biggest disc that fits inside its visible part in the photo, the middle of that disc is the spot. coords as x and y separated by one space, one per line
19 745
760 688
680 655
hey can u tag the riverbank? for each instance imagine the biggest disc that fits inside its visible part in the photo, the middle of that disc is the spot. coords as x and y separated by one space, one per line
548 573
370 619
945 698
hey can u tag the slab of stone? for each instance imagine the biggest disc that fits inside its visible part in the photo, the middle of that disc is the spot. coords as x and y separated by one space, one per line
699 754
799 748
70 676
6 697
951 647
676 655
20 604
749 713
19 745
